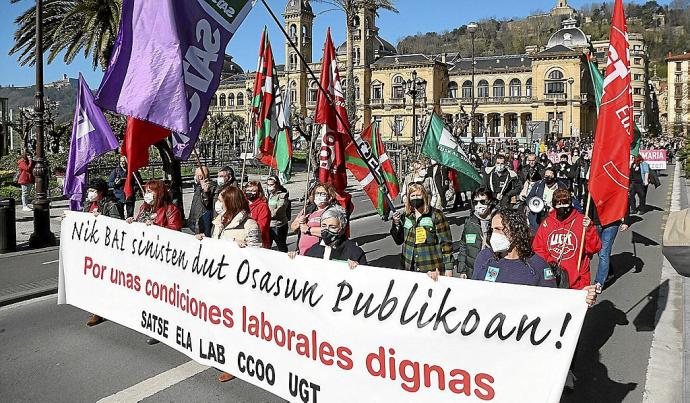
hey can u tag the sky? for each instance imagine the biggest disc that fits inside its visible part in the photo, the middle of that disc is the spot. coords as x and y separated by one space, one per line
414 17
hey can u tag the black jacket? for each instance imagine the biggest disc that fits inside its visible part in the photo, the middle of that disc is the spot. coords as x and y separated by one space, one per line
471 243
347 250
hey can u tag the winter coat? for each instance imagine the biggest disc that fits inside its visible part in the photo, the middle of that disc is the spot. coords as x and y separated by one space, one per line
241 228
202 202
506 183
26 176
168 216
116 181
262 215
107 207
472 241
556 239
279 204
427 243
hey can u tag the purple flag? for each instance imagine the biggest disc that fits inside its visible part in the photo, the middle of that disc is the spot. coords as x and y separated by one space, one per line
167 62
91 137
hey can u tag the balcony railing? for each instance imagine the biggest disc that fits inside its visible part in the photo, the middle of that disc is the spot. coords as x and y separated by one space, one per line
555 97
376 103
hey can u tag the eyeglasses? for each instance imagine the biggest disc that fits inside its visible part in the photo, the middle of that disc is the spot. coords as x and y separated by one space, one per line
321 194
482 202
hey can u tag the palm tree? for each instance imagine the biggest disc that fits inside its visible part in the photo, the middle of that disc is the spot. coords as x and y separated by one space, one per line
350 8
70 26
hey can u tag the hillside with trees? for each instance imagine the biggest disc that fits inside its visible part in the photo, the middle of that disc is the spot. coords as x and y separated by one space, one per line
665 29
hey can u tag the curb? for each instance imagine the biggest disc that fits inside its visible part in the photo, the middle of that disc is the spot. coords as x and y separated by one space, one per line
30 251
28 295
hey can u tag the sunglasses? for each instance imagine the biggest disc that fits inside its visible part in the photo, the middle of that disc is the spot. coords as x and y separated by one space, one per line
482 202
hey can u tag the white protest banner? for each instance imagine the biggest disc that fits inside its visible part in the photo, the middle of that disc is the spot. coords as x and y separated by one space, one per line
655 158
311 330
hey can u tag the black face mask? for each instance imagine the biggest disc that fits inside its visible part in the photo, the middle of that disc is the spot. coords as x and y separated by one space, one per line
330 238
251 196
563 212
416 203
550 180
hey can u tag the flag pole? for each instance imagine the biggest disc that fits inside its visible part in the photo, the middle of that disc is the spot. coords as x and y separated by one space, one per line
581 250
312 140
320 88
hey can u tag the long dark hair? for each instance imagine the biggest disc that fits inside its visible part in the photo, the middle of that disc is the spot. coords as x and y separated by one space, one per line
517 229
234 202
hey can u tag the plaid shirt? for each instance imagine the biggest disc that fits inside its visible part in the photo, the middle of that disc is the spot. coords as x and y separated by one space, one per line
427 242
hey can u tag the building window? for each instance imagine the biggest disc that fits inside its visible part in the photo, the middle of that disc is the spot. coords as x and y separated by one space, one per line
555 83
637 91
231 99
499 89
398 125
556 122
637 104
467 89
214 100
313 91
679 78
679 66
293 91
222 100
377 91
452 90
357 56
637 77
398 88
483 89
637 61
293 62
528 87
240 99
515 88
357 88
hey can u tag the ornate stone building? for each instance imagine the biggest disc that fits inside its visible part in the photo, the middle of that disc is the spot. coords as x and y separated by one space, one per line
547 90
679 94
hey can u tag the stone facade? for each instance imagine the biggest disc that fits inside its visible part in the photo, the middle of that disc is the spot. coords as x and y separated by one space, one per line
679 94
549 84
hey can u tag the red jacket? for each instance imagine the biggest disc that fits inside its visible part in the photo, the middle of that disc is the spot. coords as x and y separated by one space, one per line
167 216
26 176
553 235
262 215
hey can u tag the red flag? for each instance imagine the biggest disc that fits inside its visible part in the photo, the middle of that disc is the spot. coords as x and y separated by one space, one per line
610 172
139 136
335 136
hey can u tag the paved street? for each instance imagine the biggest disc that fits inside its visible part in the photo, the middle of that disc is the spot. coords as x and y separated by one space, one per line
50 354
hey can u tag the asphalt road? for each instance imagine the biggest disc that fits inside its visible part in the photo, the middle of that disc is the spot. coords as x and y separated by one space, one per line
48 354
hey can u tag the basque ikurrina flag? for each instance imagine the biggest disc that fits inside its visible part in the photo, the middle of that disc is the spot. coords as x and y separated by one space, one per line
610 169
91 137
273 143
365 158
167 61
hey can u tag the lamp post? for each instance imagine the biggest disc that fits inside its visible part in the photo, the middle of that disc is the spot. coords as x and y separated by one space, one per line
415 86
472 29
42 236
571 81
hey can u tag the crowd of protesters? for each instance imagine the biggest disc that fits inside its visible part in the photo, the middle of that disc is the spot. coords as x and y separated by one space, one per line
527 223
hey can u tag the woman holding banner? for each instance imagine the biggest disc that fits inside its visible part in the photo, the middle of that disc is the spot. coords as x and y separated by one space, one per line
159 210
279 204
424 233
260 212
308 222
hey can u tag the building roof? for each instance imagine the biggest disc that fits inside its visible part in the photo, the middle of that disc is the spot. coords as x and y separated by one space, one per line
509 62
298 6
556 49
678 58
403 59
383 47
230 68
570 36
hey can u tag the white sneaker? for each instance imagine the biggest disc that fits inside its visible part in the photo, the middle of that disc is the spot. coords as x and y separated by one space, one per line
27 208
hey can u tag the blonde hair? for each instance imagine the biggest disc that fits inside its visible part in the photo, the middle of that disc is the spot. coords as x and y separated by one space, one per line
425 196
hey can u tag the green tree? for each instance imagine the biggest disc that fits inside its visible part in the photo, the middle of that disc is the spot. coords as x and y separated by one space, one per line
72 26
350 8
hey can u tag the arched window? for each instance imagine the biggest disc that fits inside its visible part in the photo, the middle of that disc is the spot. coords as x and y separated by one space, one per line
222 100
467 89
357 56
528 87
356 88
293 91
555 82
240 99
499 89
293 32
515 89
231 99
398 87
483 89
452 90
214 100
313 91
343 85
305 34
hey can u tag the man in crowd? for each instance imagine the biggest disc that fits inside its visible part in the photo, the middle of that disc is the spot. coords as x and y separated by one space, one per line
565 172
200 212
502 181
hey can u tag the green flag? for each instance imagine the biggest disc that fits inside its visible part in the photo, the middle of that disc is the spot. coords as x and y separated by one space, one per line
598 81
440 145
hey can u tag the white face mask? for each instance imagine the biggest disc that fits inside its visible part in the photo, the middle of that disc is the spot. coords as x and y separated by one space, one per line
320 199
148 198
422 173
270 188
499 243
220 207
220 180
92 196
500 168
481 209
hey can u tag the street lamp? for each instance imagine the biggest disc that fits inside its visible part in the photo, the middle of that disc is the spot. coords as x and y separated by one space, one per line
42 236
472 29
571 81
415 86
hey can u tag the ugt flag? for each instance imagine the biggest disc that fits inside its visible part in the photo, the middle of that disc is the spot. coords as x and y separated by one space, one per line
610 169
167 61
91 137
440 145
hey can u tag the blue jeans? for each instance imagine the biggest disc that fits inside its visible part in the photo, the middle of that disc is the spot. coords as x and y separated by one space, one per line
608 236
